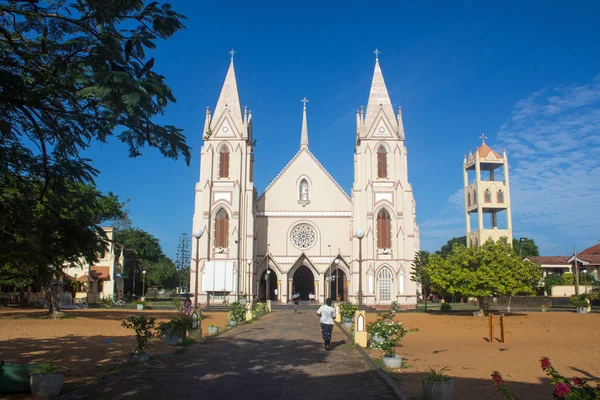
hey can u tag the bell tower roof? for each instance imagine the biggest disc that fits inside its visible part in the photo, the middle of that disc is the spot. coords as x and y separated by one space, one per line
229 99
379 99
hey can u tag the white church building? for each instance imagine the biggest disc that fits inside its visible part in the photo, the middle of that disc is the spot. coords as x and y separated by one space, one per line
299 235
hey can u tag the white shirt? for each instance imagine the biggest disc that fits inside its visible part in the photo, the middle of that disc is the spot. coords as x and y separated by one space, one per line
327 314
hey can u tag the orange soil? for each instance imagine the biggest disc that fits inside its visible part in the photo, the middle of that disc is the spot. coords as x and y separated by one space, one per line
89 346
460 342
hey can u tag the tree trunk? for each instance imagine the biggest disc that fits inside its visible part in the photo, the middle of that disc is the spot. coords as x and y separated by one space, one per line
480 303
425 297
22 296
51 296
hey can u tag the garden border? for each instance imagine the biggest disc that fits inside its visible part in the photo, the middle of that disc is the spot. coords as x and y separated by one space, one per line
384 375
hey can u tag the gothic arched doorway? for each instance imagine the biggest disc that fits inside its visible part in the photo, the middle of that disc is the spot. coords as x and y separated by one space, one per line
339 284
263 284
303 282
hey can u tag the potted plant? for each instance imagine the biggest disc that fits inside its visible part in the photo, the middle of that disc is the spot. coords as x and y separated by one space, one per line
388 334
144 328
437 386
347 311
175 330
213 329
48 383
243 298
394 306
141 304
543 308
261 309
237 313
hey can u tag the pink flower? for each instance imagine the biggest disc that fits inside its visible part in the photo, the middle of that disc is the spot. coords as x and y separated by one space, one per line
545 361
561 389
497 378
577 381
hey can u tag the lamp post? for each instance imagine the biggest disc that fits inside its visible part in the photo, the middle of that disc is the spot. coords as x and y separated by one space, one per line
197 234
584 272
360 233
522 240
329 275
143 284
337 279
249 262
267 274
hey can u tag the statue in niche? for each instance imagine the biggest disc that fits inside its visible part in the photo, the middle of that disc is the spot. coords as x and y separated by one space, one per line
303 190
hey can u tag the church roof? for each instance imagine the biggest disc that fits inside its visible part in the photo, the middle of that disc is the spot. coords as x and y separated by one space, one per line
549 260
484 150
229 99
378 97
304 149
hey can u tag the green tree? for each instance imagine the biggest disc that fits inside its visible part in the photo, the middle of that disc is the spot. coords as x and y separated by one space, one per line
568 278
483 271
525 247
419 272
162 273
550 281
140 251
447 248
40 240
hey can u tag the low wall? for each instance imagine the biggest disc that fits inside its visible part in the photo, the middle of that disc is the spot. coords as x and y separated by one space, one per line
520 301
568 290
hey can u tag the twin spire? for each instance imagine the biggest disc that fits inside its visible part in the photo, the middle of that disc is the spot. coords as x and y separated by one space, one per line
379 103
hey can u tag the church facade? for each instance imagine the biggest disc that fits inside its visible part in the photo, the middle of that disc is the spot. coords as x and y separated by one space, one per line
299 235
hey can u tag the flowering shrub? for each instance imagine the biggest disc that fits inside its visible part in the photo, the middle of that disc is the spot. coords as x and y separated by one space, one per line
260 309
389 331
576 389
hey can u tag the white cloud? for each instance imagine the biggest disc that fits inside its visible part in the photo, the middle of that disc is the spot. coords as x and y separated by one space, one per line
552 139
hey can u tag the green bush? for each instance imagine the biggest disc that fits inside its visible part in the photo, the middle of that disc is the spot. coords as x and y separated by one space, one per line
568 279
260 309
390 331
578 300
237 312
446 307
178 326
144 328
347 310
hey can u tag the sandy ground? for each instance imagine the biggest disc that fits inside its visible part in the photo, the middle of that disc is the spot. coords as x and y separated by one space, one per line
570 340
90 346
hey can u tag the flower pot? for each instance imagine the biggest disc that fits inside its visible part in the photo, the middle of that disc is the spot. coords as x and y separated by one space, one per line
347 325
173 340
213 330
46 385
542 309
438 390
138 357
140 307
232 323
243 301
393 362
14 378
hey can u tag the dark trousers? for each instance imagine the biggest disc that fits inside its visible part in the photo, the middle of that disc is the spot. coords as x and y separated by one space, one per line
326 330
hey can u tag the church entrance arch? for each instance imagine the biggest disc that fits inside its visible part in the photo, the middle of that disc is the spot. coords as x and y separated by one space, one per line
339 285
262 295
303 282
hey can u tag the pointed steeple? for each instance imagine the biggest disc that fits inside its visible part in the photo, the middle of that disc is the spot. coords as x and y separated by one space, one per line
304 135
229 99
378 97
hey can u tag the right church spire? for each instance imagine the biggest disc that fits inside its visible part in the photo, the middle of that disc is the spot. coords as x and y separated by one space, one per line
379 115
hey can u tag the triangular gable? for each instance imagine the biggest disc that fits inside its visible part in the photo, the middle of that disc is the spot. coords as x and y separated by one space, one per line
382 128
272 263
224 128
289 164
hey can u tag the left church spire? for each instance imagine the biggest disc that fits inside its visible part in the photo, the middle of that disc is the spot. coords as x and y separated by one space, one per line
229 100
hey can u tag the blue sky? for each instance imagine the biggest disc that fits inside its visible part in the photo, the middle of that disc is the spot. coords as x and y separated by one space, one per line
525 73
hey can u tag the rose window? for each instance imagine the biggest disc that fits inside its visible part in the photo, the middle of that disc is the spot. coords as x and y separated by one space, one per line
303 236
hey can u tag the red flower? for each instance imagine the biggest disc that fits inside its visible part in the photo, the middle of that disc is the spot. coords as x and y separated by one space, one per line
545 361
497 378
577 381
561 389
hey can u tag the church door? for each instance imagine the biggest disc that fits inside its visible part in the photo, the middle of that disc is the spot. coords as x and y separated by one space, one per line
263 284
339 284
304 282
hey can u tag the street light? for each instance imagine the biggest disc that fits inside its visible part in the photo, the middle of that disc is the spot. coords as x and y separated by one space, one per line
143 284
584 272
360 233
267 288
249 262
197 234
522 240
337 279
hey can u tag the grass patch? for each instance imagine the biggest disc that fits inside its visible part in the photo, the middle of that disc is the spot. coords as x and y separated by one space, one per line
186 342
69 316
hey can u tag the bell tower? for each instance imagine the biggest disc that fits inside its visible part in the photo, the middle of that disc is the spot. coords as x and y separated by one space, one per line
223 210
487 195
383 203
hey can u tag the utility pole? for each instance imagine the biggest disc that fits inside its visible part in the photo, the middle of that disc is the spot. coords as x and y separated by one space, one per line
576 270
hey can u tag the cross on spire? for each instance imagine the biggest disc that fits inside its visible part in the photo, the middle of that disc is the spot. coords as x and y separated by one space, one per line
483 137
232 53
376 52
304 100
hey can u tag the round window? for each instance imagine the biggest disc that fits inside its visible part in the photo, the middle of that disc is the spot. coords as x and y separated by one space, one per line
303 236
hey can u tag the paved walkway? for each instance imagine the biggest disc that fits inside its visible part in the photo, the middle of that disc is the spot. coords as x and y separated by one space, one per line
280 356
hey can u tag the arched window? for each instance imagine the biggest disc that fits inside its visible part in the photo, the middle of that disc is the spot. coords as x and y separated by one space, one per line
487 197
384 230
222 229
385 285
468 199
224 162
303 189
500 196
401 277
381 162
